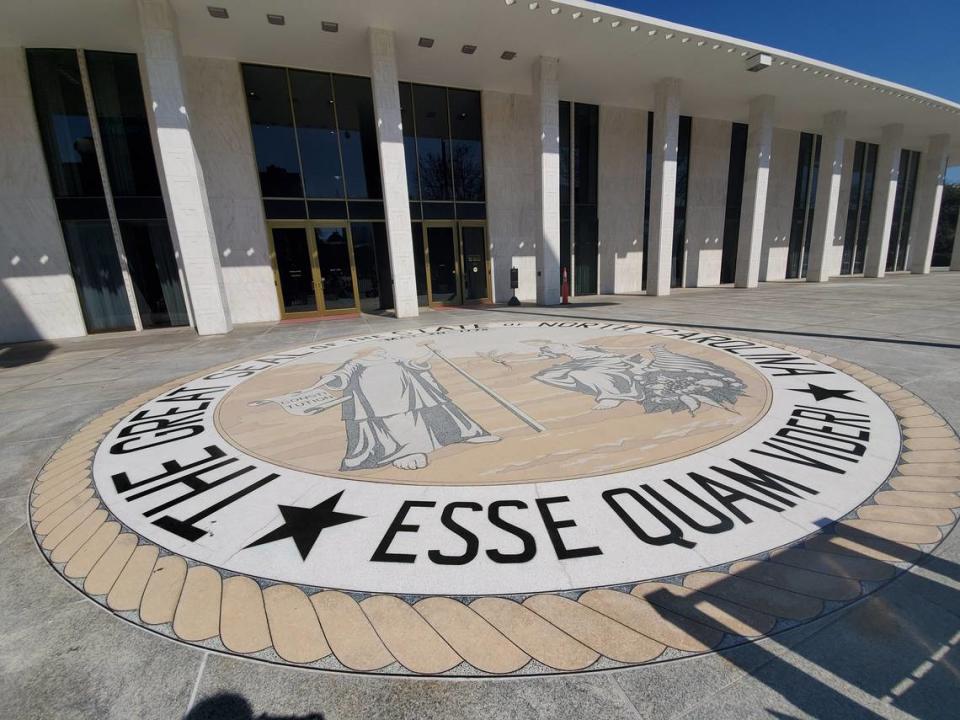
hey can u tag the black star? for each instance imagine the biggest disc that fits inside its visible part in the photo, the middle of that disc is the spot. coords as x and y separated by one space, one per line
820 393
304 525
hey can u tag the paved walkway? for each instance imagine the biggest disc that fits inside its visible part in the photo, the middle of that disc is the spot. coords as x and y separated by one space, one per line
894 654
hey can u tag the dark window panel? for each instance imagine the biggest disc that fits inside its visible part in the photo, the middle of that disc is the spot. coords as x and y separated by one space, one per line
70 208
327 209
124 129
646 200
64 124
146 208
585 250
472 211
734 204
438 211
96 270
153 270
467 135
869 182
433 142
586 122
366 210
315 119
419 264
274 137
680 206
416 211
409 140
358 136
853 209
284 209
372 265
811 204
565 196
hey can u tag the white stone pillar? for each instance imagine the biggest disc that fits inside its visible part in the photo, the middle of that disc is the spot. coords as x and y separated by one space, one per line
393 171
546 90
828 195
663 184
884 198
755 180
933 169
190 221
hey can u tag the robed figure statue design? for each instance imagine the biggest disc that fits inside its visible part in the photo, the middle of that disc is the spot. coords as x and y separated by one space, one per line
664 381
395 412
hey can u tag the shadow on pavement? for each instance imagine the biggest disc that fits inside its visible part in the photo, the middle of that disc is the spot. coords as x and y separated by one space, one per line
885 654
232 706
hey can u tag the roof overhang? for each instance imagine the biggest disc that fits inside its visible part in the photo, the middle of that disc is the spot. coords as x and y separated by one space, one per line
607 55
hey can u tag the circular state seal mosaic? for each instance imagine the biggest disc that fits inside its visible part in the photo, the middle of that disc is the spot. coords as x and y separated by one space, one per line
502 498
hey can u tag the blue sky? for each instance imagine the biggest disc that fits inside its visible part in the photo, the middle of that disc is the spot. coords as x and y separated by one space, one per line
913 42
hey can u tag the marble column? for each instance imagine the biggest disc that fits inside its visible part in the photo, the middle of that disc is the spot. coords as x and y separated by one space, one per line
393 171
884 198
828 196
546 90
663 184
933 169
755 180
190 221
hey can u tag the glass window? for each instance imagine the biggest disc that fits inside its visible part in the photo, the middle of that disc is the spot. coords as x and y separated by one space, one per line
680 207
863 232
271 123
648 174
358 136
122 117
372 266
565 196
420 264
96 270
467 134
409 140
433 142
586 123
314 116
64 124
734 204
154 272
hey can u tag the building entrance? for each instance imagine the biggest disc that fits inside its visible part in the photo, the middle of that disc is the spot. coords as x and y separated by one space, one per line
455 262
314 268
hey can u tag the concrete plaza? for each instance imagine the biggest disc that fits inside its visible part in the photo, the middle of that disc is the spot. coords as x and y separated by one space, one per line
895 653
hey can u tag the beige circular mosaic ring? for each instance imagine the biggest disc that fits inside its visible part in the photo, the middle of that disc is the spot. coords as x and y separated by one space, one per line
499 499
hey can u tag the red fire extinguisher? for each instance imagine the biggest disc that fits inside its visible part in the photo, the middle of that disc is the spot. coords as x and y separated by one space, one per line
564 288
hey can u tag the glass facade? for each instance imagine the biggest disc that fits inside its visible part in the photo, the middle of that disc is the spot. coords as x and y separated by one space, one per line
317 153
579 142
734 204
64 120
857 226
678 256
648 174
804 201
898 251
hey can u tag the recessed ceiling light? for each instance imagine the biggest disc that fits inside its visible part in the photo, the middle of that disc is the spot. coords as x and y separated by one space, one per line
651 33
685 40
668 36
634 28
507 55
716 46
425 42
328 26
276 19
597 19
533 5
615 24
701 43
577 15
555 10
218 12
509 2
468 49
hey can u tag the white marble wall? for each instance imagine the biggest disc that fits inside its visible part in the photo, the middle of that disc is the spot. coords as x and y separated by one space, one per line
221 131
511 165
622 161
38 298
706 201
780 191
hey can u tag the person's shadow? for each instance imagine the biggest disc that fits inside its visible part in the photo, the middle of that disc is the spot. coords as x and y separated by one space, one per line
231 706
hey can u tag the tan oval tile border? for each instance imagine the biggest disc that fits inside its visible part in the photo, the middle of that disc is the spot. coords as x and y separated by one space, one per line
549 633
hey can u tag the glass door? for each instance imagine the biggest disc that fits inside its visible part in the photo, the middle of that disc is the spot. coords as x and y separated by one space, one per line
294 273
443 263
473 251
337 282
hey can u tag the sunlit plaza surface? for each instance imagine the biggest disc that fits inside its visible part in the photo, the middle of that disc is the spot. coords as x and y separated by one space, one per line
891 653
